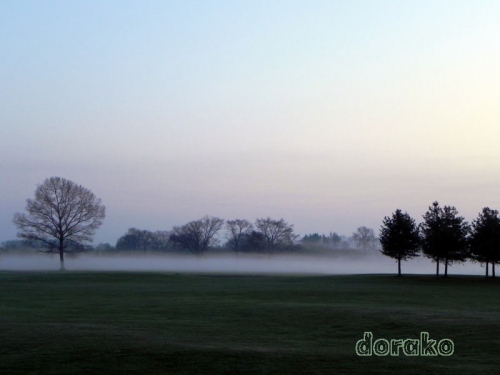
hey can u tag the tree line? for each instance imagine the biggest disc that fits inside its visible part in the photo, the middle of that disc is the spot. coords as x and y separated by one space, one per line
239 235
444 237
363 239
266 235
199 236
63 216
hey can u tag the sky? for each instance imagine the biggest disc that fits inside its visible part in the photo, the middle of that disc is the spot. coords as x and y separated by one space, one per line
329 114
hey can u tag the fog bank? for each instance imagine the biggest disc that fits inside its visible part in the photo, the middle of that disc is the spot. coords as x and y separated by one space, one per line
278 264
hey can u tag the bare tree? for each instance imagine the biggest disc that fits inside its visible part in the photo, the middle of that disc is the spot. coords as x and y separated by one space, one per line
278 234
63 217
197 236
364 238
237 229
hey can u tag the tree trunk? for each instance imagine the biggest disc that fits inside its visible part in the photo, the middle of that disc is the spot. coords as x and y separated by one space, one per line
437 268
399 266
487 266
493 269
446 267
61 255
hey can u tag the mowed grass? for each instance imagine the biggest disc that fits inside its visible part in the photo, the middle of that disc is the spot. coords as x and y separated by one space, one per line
159 323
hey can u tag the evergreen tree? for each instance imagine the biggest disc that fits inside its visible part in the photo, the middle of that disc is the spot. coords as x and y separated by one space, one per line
485 239
400 237
444 236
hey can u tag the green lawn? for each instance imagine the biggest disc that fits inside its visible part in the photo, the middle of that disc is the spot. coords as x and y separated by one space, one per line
154 323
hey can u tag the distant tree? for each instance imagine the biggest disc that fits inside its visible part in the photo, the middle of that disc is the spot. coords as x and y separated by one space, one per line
333 240
400 237
253 242
485 239
237 229
63 216
444 236
278 234
197 236
143 240
18 247
364 239
104 247
312 238
161 240
346 242
133 240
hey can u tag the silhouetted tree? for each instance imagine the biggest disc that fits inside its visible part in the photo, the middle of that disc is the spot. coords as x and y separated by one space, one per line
400 237
197 236
63 216
444 236
364 238
485 239
278 234
237 229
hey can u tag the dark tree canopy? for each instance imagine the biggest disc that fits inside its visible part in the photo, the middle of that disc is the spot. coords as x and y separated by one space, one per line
254 242
63 216
197 236
313 238
400 237
143 240
485 239
444 236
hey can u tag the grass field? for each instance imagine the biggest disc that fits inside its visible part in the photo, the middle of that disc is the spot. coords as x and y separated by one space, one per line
158 323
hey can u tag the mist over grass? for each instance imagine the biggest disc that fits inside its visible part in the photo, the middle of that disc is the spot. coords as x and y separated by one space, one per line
232 263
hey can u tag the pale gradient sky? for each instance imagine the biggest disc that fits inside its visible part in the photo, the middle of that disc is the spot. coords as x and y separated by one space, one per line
330 114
